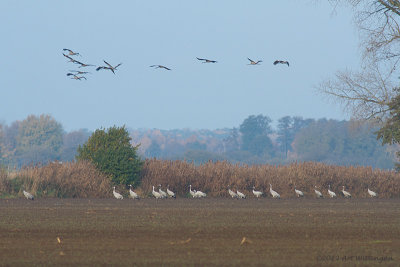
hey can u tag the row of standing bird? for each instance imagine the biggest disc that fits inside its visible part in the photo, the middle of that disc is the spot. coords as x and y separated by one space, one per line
160 194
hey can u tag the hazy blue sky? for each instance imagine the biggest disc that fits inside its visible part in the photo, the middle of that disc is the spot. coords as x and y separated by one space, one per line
172 33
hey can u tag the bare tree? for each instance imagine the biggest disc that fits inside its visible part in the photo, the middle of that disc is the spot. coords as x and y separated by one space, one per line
367 93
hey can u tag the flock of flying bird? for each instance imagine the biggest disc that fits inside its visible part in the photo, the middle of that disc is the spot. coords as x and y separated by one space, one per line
160 194
79 75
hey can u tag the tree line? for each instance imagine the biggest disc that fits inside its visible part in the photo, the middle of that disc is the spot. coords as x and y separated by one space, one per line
255 141
40 139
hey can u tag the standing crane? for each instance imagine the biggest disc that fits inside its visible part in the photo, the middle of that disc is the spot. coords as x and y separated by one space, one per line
163 194
132 193
240 194
346 194
199 194
331 193
273 193
231 193
28 195
317 192
190 191
372 193
170 193
116 194
298 192
156 194
257 194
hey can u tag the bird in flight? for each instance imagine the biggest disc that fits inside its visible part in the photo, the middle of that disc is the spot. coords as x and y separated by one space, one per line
76 77
252 62
82 64
70 58
70 52
159 67
281 62
78 72
108 67
206 60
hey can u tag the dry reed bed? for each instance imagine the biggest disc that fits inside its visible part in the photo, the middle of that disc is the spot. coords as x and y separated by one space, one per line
214 177
82 179
77 180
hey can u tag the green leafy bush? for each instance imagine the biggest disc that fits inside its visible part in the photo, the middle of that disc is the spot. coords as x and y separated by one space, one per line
112 153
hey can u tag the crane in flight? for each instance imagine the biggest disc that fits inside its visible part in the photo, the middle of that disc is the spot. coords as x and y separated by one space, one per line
108 67
281 62
71 53
82 64
159 67
252 62
205 60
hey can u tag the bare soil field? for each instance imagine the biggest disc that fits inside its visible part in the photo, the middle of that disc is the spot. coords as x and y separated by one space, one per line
200 232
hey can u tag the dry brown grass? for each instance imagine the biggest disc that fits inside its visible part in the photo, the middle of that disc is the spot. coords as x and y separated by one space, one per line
82 179
76 179
214 177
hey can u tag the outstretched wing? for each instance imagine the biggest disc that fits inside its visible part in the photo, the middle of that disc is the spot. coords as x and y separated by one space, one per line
78 62
108 64
70 58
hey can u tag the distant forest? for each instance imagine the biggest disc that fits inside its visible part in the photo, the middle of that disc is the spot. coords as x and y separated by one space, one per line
40 139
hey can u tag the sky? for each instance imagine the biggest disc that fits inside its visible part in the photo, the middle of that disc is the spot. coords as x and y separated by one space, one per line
316 38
